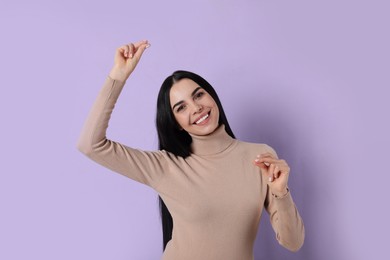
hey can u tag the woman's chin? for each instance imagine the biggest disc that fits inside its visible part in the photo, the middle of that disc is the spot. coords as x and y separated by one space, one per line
203 129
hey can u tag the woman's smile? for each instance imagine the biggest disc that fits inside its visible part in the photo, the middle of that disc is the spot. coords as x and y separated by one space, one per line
202 120
194 109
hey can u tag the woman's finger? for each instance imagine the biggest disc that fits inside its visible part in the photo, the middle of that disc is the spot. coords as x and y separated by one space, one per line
271 170
263 166
274 168
125 50
140 48
121 53
267 160
276 172
126 59
140 43
131 50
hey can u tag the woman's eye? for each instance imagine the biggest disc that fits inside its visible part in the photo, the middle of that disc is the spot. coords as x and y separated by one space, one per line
198 95
180 108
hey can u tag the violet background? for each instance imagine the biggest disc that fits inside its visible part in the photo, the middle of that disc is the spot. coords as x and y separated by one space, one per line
310 78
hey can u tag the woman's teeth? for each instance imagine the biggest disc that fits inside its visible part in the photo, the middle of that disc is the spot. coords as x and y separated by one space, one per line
202 119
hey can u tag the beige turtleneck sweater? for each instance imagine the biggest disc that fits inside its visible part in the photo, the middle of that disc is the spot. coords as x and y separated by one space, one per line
215 196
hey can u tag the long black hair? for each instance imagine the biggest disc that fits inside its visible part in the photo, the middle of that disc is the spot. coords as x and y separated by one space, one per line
172 138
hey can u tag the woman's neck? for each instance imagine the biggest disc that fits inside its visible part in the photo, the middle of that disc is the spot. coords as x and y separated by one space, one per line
213 143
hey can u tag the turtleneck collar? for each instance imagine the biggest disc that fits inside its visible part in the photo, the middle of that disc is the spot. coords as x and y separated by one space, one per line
213 143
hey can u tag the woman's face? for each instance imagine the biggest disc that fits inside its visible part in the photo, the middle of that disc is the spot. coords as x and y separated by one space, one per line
194 109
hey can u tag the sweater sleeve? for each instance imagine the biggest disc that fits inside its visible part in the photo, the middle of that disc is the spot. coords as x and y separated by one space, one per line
286 221
285 218
141 166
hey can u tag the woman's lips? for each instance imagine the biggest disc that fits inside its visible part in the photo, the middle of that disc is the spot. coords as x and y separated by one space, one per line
202 119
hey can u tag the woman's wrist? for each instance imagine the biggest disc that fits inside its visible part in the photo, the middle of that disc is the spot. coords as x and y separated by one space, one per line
279 194
118 74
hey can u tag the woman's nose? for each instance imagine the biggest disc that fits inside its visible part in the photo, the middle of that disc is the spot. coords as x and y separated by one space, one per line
197 108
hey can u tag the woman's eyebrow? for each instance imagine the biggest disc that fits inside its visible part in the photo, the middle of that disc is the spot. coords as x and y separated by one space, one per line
178 103
192 94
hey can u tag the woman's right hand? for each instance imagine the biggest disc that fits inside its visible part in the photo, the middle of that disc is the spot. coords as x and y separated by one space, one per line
126 59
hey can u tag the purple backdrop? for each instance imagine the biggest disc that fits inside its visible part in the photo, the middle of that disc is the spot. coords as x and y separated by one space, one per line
310 79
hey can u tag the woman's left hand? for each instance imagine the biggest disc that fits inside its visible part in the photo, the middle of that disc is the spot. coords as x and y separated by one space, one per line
276 171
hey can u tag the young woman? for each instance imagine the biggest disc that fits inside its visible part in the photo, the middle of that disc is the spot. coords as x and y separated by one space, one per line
212 187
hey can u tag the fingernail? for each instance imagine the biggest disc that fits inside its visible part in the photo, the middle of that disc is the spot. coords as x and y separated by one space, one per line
270 179
131 55
257 160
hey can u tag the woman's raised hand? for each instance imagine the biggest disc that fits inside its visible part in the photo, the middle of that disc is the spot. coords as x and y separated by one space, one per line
126 59
276 171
